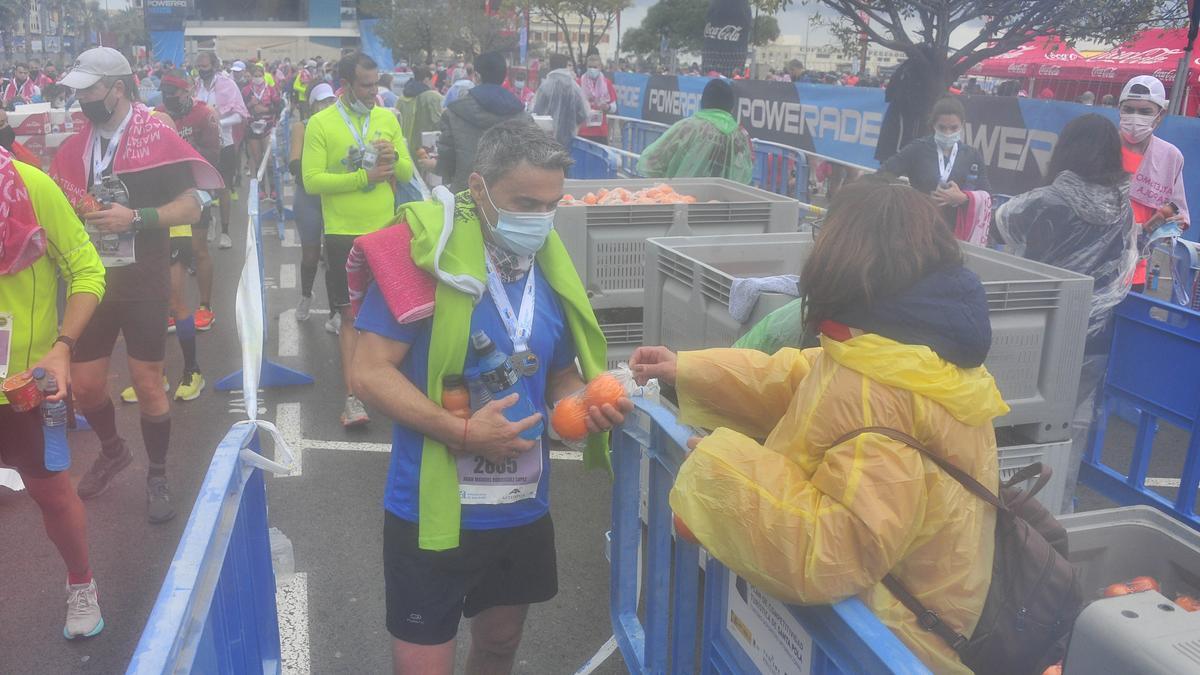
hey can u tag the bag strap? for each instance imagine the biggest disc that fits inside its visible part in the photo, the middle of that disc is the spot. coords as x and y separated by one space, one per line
928 619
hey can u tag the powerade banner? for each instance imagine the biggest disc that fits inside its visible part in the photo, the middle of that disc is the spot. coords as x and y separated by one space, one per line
726 36
1015 135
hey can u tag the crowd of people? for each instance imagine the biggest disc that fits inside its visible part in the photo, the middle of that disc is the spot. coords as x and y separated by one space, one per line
133 199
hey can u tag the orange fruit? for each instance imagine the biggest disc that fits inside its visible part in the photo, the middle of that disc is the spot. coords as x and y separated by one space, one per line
590 199
685 533
569 419
1142 584
606 388
1115 590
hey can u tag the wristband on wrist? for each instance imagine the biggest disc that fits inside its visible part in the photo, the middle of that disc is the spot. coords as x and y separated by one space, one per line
149 217
68 341
466 425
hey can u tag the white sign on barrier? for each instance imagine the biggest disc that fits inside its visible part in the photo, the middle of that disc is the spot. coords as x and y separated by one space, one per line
766 631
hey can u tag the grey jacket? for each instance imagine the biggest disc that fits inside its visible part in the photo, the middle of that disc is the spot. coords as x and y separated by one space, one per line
463 124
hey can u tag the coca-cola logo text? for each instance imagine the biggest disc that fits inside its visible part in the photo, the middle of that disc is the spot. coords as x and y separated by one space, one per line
729 33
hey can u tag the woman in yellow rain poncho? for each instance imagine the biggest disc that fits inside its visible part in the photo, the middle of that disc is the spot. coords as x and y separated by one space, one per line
771 493
709 144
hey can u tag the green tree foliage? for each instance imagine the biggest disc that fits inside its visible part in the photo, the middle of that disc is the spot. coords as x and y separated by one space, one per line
592 18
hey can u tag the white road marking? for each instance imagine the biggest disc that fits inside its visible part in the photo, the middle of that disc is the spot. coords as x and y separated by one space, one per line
1162 482
289 238
291 602
606 650
570 455
288 333
310 444
287 275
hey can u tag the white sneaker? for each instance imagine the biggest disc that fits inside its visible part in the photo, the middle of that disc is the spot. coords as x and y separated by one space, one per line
226 242
302 309
83 611
334 323
354 414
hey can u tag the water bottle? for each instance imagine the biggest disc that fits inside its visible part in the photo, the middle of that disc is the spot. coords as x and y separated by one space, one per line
54 424
498 375
476 389
1155 273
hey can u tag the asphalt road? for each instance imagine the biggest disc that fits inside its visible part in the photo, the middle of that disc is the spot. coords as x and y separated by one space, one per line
333 612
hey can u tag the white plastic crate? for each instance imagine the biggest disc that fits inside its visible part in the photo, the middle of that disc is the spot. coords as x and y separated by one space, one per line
1057 456
1039 314
608 243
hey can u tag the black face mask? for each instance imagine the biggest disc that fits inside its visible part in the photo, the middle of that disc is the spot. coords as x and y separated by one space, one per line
97 111
205 74
178 107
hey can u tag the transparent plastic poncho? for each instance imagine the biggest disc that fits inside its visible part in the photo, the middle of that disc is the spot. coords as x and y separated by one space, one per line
709 144
560 97
1092 232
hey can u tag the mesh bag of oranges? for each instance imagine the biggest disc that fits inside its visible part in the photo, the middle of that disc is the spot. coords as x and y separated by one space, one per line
569 418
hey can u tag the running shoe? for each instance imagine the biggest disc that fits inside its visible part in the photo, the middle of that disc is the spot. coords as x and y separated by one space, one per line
303 309
334 323
129 394
104 469
204 318
190 387
83 611
170 324
159 508
226 242
354 414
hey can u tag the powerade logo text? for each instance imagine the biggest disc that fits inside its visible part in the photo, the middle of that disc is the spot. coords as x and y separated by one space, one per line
673 102
1010 148
827 123
629 96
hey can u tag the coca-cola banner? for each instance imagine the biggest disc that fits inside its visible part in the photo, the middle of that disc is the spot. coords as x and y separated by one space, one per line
1015 135
726 36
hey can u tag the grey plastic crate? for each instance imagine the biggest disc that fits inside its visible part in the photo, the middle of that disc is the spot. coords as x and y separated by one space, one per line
1056 456
1114 545
608 243
1039 314
622 339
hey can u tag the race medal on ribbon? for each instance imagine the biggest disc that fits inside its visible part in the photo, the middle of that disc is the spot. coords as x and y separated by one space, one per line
525 363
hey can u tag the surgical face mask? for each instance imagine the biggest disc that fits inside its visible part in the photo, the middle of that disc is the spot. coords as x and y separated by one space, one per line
519 84
1135 128
947 141
97 111
593 73
522 234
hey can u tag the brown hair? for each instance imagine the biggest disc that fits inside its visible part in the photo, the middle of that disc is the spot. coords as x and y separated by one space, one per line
948 105
879 239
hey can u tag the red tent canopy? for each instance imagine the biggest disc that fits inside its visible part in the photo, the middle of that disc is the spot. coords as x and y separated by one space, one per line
1044 56
1153 52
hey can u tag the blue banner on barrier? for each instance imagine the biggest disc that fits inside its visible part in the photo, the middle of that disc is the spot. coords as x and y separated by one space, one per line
1015 135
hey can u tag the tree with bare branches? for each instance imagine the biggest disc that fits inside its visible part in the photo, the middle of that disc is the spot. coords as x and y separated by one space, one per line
591 18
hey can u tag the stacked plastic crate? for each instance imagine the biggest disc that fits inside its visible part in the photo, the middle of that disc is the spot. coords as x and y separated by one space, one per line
608 242
1039 317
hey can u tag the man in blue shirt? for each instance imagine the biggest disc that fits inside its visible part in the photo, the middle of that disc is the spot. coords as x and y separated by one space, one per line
505 558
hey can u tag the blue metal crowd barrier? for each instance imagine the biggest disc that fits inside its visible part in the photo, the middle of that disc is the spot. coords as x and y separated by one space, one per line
846 637
215 613
592 160
1154 369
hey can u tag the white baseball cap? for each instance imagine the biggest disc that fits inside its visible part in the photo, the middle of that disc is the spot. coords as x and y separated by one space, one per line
1148 88
321 92
94 64
238 66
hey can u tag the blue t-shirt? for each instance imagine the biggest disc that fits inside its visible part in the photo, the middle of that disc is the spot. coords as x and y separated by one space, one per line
550 341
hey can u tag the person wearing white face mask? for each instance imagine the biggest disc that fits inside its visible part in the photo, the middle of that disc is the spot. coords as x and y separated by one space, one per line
354 152
602 99
945 167
1156 165
488 260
